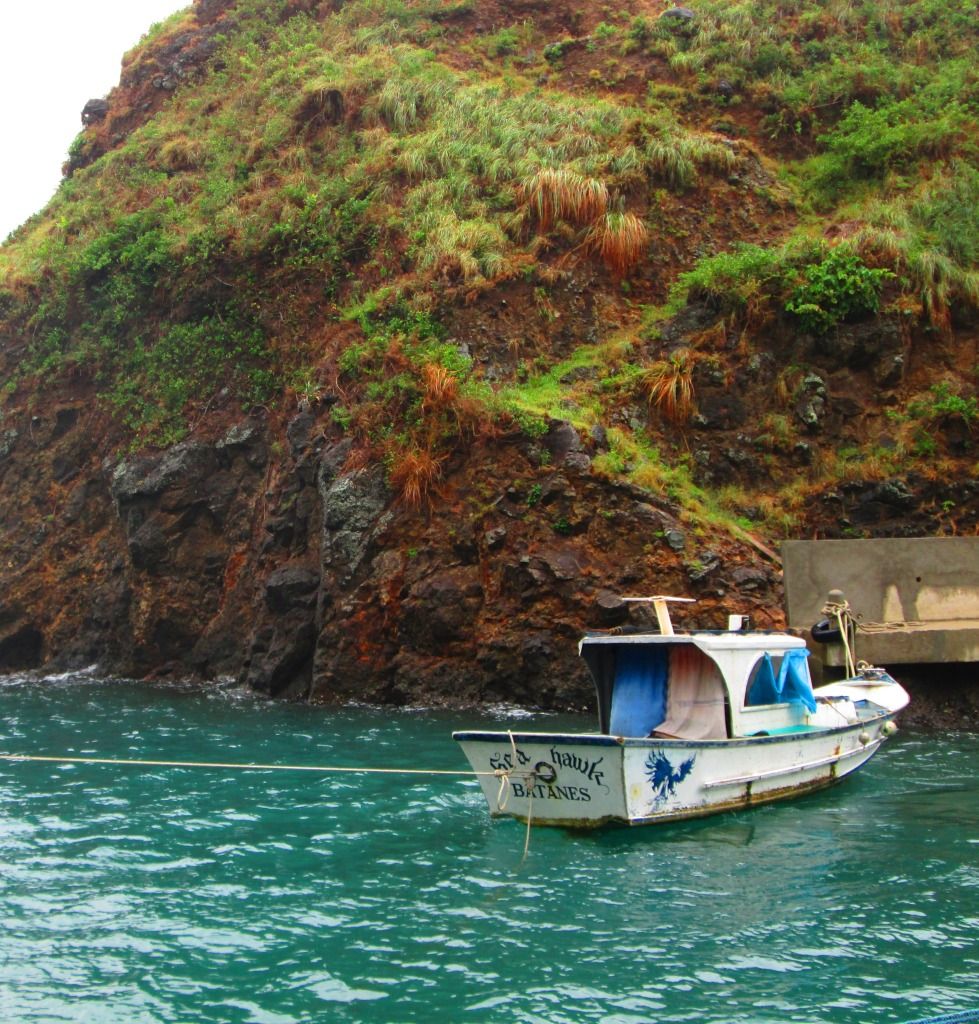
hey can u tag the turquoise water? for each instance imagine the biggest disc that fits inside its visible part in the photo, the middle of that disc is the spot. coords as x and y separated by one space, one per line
204 895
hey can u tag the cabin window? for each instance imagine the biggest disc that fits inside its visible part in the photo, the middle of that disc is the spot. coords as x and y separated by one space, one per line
781 679
761 682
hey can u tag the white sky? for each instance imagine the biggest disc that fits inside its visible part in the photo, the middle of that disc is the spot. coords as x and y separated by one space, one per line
54 57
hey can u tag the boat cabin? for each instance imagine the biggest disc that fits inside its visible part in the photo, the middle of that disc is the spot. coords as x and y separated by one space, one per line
700 685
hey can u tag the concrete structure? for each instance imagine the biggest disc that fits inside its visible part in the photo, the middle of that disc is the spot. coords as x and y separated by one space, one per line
918 599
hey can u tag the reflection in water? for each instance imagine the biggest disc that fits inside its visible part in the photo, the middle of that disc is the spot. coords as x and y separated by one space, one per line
177 894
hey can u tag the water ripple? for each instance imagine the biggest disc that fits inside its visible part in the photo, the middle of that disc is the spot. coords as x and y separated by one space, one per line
163 896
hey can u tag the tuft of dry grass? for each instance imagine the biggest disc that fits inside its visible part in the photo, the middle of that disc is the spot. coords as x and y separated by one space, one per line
714 338
668 385
181 154
554 194
440 389
619 239
414 474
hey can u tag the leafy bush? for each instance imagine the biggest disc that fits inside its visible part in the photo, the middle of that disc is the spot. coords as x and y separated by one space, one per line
641 30
553 52
318 233
731 279
945 404
869 141
506 41
842 285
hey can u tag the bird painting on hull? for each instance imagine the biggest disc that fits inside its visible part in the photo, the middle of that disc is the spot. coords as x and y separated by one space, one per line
663 777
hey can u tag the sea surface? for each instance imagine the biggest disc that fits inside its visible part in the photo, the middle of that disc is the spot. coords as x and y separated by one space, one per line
152 894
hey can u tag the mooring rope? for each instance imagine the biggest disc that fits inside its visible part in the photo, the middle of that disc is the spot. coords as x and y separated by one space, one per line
322 768
531 779
530 820
840 610
503 774
949 1018
887 627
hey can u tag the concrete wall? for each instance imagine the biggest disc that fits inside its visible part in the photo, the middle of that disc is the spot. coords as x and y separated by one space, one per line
931 584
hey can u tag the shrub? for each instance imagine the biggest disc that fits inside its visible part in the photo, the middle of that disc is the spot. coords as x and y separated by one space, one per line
504 42
641 30
870 140
944 405
553 52
842 285
731 279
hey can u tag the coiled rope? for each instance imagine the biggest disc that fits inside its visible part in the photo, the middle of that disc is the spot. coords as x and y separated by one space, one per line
840 610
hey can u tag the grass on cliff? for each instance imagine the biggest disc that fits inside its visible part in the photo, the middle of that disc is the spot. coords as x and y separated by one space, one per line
383 162
235 188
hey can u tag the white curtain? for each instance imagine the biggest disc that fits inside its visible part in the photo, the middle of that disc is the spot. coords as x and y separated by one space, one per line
695 697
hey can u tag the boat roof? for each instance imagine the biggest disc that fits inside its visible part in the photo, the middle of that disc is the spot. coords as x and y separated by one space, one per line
630 670
707 640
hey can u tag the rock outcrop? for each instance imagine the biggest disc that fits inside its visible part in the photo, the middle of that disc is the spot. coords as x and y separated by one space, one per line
301 574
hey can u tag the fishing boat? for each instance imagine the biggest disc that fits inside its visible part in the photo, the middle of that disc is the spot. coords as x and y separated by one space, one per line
690 723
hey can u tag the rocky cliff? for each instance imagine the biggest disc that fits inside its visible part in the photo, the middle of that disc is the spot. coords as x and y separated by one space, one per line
337 368
261 554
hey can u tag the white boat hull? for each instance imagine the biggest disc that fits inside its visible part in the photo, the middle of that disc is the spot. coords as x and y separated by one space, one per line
591 780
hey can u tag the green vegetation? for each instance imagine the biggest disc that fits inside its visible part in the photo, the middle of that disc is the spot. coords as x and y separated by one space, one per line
731 280
839 286
240 187
945 404
821 286
336 187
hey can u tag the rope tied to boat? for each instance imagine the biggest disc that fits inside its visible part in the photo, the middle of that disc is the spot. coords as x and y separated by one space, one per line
503 798
503 774
529 779
949 1018
503 793
232 766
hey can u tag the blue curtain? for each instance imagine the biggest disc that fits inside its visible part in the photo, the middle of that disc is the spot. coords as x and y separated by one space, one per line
764 690
792 685
639 693
793 679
